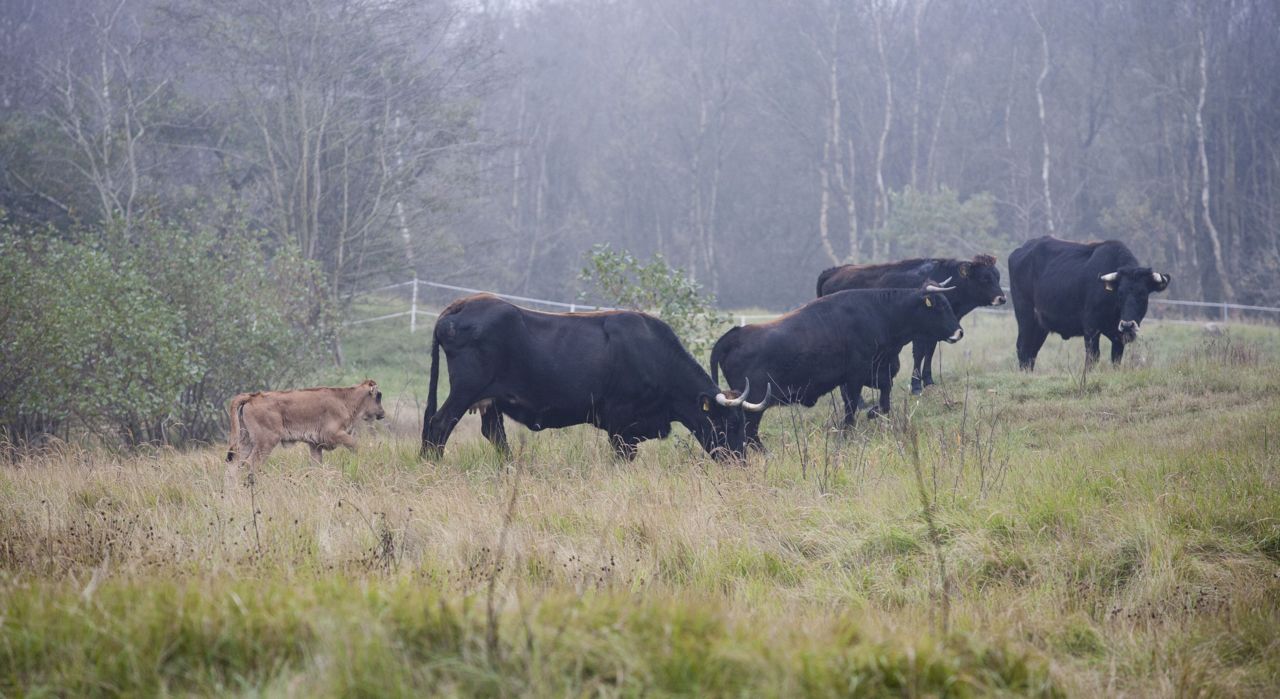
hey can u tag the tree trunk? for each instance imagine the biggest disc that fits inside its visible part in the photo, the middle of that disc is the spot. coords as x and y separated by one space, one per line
1044 129
1228 293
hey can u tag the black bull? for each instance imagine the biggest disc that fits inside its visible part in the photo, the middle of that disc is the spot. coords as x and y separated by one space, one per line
975 283
1078 289
623 372
848 338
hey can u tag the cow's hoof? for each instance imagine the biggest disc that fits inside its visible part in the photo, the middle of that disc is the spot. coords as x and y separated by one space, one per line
916 389
875 413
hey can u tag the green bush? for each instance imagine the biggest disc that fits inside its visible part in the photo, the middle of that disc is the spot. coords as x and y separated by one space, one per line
938 224
656 288
142 338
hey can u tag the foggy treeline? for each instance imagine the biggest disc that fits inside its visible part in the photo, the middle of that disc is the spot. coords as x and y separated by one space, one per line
751 142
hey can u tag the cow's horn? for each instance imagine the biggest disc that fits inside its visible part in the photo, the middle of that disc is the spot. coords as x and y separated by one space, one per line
940 286
758 407
1158 277
728 402
1110 277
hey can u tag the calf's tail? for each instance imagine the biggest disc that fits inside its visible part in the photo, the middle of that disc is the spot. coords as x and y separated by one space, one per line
234 409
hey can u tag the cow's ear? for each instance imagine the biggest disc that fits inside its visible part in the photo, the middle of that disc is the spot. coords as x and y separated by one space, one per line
705 400
928 301
964 269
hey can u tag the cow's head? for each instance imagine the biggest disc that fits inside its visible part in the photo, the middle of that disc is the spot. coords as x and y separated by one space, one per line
723 430
979 281
370 406
929 315
1131 286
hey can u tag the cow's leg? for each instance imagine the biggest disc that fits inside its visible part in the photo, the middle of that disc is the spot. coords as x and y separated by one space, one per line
1091 351
493 429
917 367
884 382
1031 338
852 402
317 453
437 431
1117 349
922 365
753 431
625 446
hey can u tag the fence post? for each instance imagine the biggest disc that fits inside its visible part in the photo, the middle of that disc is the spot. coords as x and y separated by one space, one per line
573 308
742 321
1224 311
413 306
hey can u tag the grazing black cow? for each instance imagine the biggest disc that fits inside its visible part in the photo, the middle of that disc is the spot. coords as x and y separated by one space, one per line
1078 289
622 371
975 283
846 338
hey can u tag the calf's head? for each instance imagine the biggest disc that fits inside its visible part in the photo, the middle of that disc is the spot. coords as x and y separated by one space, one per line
722 432
979 281
370 406
1130 287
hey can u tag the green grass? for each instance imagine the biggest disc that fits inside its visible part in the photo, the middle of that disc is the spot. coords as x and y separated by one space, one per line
1110 532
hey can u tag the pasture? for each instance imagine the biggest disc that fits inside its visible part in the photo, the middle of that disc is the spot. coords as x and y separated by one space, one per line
1109 532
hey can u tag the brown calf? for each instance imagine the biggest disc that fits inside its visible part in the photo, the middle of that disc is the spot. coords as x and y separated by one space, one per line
320 417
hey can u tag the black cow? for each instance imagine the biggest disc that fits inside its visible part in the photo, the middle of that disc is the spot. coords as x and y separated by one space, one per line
1078 289
622 371
848 338
975 283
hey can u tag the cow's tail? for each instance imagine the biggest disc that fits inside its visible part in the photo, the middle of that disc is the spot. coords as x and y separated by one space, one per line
234 409
718 352
435 381
822 278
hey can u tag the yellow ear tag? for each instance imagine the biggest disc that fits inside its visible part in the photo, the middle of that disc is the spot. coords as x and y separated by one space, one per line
964 270
1110 286
928 302
706 405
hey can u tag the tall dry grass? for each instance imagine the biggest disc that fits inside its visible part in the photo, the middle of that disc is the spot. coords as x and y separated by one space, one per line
1122 539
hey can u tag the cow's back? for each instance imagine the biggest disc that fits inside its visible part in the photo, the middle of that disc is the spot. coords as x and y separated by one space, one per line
903 274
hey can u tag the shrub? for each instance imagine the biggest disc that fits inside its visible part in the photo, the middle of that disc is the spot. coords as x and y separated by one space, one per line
145 337
657 288
938 224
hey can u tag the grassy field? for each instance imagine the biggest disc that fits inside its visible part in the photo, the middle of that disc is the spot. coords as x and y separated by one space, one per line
1113 532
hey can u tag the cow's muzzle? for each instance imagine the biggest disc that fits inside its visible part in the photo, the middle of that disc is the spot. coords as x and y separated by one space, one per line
956 336
1128 330
998 301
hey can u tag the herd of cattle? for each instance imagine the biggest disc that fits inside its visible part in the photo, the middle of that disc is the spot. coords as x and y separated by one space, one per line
627 373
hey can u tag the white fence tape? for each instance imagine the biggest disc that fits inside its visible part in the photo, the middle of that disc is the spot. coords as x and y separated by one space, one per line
414 311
